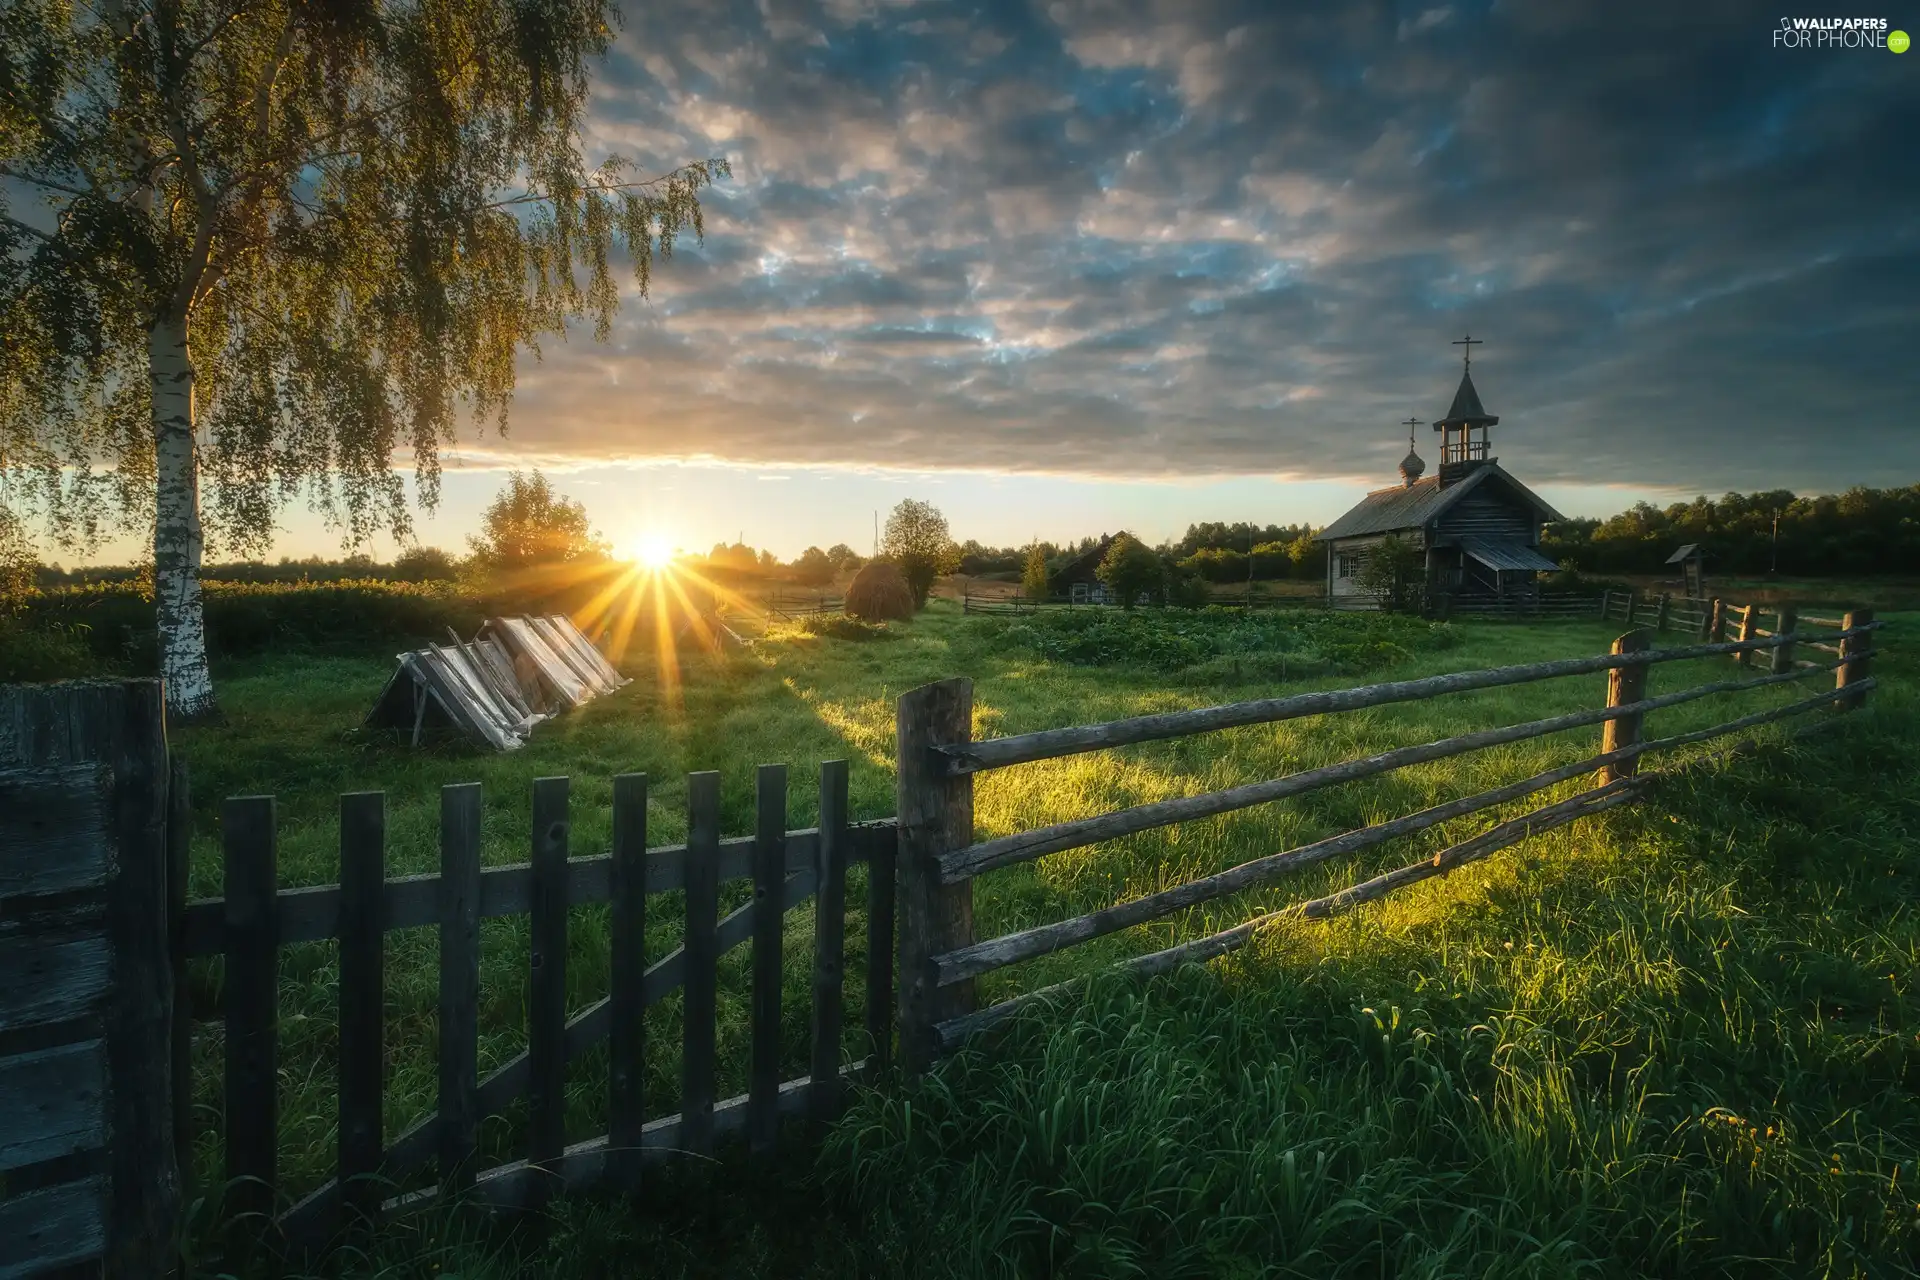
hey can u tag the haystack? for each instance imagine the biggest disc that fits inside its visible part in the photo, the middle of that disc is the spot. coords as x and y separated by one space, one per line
879 593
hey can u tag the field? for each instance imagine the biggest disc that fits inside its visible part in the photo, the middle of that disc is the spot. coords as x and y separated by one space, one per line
1678 1038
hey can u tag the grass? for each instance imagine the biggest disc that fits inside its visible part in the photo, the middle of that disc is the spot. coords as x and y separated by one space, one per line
1679 1038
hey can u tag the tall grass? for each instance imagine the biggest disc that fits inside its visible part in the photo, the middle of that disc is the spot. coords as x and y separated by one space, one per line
1678 1038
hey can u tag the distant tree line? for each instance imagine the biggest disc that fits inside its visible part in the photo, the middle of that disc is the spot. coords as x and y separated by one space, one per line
1861 531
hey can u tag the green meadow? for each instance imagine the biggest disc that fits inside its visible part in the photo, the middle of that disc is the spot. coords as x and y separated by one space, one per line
1678 1038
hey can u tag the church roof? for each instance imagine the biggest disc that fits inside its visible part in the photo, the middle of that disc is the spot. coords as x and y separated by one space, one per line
1466 407
1413 506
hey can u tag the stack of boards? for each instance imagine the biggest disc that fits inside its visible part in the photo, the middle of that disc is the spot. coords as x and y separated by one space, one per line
495 688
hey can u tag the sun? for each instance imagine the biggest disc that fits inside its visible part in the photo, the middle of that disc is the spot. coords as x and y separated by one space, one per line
651 550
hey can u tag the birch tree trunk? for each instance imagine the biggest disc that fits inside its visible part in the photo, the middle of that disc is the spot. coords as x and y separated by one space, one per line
177 543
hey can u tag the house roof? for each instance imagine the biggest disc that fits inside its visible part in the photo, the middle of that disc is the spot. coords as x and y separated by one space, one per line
1466 409
1499 555
1683 553
1415 505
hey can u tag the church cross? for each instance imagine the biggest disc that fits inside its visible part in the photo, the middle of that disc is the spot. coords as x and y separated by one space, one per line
1410 424
1469 342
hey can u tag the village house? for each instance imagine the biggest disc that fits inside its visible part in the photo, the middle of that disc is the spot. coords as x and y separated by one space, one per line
1475 526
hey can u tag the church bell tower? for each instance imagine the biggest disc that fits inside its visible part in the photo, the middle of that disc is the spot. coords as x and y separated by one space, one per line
1463 432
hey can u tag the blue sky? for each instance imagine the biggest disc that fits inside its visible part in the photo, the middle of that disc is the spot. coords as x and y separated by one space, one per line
1068 267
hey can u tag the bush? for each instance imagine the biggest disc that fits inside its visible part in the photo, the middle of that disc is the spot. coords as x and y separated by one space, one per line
29 655
840 627
117 622
879 593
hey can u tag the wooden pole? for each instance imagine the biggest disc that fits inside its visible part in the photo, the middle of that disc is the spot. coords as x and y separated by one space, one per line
1660 613
1748 618
1717 624
769 907
1785 624
1855 667
829 944
459 983
1624 685
935 816
627 1008
363 828
700 957
252 1013
547 983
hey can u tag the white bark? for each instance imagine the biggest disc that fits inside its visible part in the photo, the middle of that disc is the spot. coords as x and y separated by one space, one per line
177 543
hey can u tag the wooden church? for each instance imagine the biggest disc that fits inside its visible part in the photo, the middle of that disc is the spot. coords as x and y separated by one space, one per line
1477 527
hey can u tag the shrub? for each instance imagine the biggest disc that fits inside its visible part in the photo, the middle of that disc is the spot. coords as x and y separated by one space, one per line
29 655
117 622
879 593
841 627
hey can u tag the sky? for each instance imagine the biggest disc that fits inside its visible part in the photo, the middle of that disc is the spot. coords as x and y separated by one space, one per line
1069 267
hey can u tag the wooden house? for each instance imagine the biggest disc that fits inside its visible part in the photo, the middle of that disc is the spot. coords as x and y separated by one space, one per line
1476 527
1079 578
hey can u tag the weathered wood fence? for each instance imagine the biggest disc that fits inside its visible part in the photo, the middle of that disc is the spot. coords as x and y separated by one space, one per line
1715 620
940 956
89 1169
88 1178
255 919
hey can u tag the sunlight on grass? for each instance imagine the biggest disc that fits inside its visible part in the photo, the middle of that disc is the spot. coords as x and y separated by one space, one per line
1525 1068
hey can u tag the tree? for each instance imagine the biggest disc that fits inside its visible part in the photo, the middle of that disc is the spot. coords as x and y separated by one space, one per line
1033 579
424 564
917 540
19 565
813 569
1130 569
529 526
844 556
250 247
1391 572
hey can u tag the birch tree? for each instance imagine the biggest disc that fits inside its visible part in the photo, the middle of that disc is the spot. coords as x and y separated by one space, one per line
254 249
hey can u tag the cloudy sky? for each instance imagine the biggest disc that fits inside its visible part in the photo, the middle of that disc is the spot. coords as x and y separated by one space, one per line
1066 267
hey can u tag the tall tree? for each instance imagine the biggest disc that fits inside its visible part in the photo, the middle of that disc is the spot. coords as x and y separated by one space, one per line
1130 570
266 243
917 539
1033 578
528 525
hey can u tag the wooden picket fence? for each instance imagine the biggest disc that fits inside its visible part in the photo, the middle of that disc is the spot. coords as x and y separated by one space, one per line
255 919
940 957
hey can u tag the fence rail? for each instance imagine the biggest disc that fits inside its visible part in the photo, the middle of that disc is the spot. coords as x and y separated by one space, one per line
941 958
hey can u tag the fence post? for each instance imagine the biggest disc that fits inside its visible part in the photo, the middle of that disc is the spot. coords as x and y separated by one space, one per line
1855 666
1624 685
1660 614
935 814
1606 604
1785 625
1747 618
1704 632
1717 622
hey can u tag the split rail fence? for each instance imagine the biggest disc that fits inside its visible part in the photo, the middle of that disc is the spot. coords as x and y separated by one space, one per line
941 958
256 918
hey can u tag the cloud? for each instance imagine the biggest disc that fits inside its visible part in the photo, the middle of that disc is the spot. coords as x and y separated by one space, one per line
1194 237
